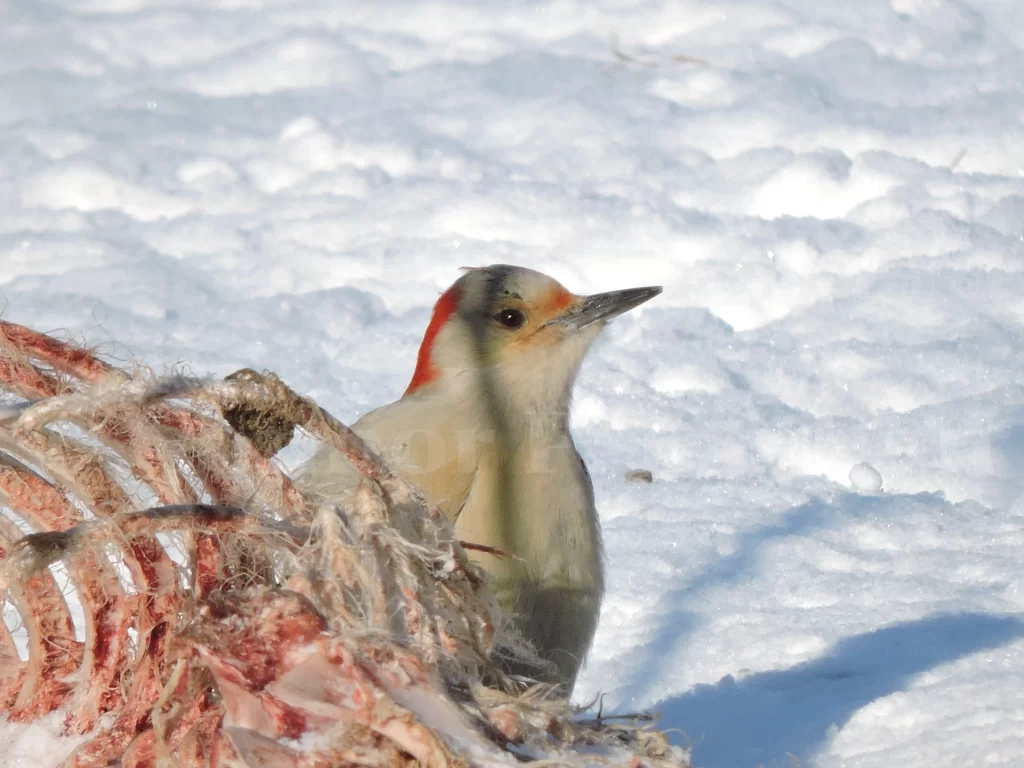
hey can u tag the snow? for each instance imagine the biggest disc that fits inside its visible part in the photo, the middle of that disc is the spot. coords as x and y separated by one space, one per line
865 478
832 194
38 743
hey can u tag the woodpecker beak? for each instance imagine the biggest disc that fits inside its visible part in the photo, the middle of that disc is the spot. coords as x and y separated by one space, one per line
604 306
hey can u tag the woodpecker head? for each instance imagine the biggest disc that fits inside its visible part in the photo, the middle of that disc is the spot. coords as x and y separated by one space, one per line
519 331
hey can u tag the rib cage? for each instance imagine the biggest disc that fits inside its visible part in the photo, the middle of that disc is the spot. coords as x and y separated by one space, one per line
363 630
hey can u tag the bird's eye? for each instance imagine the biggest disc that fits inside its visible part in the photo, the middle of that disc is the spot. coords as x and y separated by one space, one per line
510 318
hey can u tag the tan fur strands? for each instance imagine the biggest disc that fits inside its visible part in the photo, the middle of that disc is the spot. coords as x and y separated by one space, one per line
287 631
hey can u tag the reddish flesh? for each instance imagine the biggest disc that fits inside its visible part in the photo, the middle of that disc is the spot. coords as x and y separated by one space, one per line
103 600
220 644
53 651
62 357
26 380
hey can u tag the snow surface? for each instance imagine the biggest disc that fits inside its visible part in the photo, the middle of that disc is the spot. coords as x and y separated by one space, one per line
831 192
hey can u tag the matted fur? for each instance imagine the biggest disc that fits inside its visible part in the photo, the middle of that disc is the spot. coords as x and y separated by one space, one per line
288 631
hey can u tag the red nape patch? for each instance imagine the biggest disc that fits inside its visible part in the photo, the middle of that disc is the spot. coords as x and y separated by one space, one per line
426 371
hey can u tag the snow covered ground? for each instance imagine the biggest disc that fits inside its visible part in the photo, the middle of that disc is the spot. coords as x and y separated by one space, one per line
832 194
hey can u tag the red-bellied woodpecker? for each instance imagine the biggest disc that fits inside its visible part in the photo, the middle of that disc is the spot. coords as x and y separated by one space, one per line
483 430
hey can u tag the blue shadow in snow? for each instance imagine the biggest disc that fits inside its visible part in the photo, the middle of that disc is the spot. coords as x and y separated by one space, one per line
679 622
763 719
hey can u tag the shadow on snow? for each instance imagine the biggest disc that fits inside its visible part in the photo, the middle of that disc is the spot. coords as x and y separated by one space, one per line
764 718
759 719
